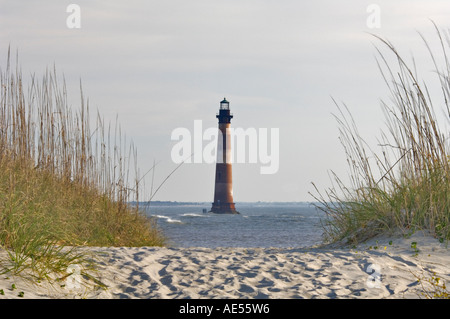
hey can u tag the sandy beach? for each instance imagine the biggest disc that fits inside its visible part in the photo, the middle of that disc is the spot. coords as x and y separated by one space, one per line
384 267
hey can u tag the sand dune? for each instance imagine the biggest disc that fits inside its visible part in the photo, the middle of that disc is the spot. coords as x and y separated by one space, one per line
376 269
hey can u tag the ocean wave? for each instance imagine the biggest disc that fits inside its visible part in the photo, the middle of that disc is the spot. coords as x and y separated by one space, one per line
169 219
194 215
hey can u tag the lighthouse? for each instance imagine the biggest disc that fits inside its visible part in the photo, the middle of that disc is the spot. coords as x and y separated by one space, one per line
223 190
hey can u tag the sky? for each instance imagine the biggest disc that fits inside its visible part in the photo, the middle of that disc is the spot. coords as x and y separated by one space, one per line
162 65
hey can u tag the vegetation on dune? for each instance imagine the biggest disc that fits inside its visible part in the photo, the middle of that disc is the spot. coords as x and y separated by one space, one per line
62 184
407 185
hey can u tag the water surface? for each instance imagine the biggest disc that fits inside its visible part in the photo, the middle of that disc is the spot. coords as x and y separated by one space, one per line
257 225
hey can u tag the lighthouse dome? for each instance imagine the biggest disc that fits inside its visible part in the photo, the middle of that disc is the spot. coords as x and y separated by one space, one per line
224 105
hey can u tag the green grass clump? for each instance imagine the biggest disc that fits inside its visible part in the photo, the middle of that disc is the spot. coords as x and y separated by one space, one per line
62 184
407 185
36 202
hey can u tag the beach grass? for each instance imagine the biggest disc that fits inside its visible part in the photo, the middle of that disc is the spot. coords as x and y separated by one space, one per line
62 184
405 185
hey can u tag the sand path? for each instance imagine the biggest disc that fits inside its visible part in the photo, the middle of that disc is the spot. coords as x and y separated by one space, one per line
376 269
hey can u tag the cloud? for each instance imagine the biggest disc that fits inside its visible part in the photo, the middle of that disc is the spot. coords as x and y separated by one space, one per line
162 64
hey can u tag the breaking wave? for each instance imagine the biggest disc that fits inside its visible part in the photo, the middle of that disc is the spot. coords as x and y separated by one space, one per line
194 215
169 219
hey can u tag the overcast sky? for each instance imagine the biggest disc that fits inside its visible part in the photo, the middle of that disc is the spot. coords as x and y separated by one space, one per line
160 65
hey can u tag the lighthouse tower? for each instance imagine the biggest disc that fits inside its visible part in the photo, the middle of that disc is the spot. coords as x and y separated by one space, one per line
223 192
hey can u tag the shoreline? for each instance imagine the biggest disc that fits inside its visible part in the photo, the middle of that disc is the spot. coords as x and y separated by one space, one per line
383 267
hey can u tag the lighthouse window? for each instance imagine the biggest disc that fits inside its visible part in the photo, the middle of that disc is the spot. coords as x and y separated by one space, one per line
219 176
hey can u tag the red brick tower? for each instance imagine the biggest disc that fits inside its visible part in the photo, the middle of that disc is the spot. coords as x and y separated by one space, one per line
223 192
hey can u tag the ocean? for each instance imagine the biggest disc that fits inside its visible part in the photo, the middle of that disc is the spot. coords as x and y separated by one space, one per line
257 225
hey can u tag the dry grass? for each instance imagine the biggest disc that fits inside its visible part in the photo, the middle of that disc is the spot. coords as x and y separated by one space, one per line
406 185
61 182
